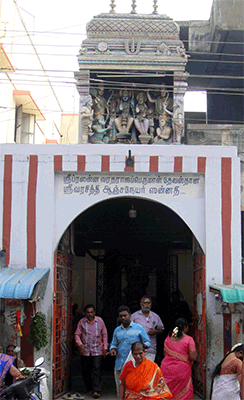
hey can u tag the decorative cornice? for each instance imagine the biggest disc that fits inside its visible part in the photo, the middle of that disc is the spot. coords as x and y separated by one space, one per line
143 26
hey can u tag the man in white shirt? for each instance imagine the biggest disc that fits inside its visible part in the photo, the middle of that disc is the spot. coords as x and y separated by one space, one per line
151 322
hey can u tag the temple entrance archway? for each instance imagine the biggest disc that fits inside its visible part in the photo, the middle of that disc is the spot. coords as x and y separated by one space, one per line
118 250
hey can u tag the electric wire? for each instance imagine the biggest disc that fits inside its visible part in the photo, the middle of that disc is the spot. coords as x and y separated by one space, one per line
19 71
136 87
207 53
36 53
36 33
117 85
192 60
187 119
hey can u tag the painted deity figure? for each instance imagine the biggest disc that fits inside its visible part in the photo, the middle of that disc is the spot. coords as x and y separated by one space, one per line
178 123
112 105
163 114
86 118
161 101
99 102
151 115
99 131
141 120
125 120
164 130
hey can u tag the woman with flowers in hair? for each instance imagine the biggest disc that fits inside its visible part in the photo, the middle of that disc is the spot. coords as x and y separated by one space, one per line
227 375
180 353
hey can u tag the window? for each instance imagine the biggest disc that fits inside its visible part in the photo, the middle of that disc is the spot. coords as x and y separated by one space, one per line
24 127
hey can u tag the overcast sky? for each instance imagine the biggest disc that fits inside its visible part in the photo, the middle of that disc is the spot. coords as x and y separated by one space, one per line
57 14
64 25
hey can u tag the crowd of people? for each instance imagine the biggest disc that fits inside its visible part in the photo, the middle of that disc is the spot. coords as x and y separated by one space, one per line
134 346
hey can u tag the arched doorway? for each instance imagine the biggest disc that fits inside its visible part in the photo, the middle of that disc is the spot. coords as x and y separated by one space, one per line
116 251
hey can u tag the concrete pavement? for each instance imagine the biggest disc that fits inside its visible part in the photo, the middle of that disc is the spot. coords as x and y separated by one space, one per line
106 396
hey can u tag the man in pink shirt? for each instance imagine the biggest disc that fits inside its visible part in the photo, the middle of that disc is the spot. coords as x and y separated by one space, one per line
91 339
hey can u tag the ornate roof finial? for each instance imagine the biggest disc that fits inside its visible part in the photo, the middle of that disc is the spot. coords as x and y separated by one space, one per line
133 7
155 6
112 5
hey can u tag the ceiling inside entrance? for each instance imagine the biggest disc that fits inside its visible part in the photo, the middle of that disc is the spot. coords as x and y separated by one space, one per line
108 225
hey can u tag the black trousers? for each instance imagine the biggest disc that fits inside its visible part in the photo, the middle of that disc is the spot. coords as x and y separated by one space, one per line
91 372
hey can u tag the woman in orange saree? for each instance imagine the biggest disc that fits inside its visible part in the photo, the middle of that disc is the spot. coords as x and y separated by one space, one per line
180 352
141 378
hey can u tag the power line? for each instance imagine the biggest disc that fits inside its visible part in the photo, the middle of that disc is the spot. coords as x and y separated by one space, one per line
192 60
78 45
34 33
120 74
136 87
23 23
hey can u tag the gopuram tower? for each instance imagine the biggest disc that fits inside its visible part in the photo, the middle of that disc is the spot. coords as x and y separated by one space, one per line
132 79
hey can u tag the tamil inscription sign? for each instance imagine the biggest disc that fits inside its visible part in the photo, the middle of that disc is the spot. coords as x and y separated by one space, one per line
137 184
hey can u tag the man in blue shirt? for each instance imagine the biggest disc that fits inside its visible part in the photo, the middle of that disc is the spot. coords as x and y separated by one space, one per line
124 335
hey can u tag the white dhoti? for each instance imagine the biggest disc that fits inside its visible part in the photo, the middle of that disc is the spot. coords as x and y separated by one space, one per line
226 387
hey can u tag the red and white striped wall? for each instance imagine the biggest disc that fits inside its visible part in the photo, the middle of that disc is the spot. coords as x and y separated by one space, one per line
31 212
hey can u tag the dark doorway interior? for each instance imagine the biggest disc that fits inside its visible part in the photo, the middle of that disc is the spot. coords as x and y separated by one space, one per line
139 253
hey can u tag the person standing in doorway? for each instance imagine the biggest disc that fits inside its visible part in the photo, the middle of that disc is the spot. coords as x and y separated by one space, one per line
92 340
152 324
124 335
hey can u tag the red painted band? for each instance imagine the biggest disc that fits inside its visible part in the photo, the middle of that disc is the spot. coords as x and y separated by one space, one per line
58 163
201 164
81 163
7 204
178 164
153 164
105 163
31 212
226 219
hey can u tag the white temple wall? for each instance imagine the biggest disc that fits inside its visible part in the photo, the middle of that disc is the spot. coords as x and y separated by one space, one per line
34 217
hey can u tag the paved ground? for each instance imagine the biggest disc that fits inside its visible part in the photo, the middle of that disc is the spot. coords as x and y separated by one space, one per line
77 385
105 396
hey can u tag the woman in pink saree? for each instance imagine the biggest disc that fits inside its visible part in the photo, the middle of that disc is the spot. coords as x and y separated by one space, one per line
180 353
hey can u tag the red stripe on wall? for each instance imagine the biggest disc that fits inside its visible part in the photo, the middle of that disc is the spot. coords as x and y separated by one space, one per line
130 169
7 203
226 218
31 212
105 163
81 163
153 164
201 164
58 163
178 164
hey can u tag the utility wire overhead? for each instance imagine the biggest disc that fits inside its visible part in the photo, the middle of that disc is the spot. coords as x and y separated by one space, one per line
23 23
85 34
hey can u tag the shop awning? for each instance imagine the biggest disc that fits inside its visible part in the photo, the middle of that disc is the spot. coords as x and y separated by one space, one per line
23 283
230 293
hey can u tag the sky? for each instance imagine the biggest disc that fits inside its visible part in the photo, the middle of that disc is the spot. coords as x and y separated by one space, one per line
59 27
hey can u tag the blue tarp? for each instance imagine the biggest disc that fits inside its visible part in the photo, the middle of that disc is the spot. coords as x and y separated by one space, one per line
230 293
23 283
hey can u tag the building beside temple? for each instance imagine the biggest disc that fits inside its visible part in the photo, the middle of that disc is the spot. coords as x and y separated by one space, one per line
146 202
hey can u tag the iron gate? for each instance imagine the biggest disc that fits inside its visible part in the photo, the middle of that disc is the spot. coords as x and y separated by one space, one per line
62 318
199 321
